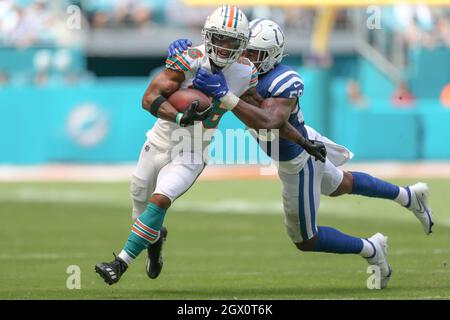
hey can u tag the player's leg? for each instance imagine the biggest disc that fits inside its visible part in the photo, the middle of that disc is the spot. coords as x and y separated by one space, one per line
301 196
185 170
173 180
148 209
143 183
415 198
301 199
337 182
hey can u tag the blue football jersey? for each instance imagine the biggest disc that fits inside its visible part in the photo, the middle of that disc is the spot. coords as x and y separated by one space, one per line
284 82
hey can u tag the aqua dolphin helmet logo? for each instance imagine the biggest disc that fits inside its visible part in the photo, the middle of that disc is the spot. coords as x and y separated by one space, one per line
88 125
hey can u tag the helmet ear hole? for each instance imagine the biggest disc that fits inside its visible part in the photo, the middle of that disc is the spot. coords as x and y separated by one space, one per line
267 36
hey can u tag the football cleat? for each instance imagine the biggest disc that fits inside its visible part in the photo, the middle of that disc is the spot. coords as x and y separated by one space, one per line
380 258
419 205
111 271
154 262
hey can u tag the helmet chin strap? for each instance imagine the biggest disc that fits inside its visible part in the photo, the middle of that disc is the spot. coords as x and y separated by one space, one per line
214 67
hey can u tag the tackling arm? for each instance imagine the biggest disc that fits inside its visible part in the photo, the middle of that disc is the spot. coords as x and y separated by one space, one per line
273 113
274 110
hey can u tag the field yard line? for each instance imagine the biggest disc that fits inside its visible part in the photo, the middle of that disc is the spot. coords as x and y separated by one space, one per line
35 195
40 256
226 205
415 251
445 222
123 172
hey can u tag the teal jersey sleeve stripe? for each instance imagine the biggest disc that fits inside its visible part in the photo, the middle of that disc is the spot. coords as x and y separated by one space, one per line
176 65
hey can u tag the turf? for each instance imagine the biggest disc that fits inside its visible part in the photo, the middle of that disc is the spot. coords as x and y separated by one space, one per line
226 241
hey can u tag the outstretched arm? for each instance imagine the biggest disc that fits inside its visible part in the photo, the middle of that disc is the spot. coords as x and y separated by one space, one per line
273 114
273 111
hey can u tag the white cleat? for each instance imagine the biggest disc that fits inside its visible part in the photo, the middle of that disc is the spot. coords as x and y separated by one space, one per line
380 258
419 205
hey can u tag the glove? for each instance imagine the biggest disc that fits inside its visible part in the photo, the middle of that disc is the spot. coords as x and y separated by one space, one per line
191 114
316 149
213 85
178 46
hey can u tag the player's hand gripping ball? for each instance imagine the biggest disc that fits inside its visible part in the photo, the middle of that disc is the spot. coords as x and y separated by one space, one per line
194 105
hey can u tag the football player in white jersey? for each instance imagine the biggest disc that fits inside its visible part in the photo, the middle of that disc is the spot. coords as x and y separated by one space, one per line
304 179
165 171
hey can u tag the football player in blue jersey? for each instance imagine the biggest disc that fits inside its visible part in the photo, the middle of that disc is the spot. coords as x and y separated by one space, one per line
304 179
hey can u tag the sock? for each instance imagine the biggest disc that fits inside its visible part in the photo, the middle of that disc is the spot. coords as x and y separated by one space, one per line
368 250
145 231
334 241
366 185
125 257
404 197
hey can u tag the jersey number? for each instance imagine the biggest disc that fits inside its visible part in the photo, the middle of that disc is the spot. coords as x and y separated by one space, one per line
216 114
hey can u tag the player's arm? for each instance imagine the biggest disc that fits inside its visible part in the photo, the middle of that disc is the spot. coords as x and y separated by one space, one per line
277 112
215 85
273 114
155 99
162 86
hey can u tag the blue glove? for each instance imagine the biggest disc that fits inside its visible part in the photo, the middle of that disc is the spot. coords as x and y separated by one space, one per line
178 46
213 85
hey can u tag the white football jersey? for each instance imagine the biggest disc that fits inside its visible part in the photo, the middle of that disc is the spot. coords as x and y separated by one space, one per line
240 76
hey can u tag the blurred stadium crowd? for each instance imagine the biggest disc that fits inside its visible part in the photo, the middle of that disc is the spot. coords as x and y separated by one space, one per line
35 24
25 23
68 53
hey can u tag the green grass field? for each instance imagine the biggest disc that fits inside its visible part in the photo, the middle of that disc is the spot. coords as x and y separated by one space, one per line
226 241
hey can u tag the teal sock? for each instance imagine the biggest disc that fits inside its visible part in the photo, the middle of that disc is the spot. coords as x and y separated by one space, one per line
145 230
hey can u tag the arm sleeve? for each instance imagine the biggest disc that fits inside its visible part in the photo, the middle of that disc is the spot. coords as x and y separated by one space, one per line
187 62
289 87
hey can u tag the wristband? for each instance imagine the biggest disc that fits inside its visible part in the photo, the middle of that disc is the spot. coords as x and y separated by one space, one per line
156 104
178 118
229 101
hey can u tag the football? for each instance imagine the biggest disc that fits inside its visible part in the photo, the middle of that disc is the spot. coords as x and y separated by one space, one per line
181 99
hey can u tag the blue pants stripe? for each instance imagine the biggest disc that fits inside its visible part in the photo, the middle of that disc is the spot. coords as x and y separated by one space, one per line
301 206
311 196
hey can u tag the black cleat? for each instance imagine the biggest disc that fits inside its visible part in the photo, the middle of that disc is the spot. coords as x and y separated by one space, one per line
154 263
111 271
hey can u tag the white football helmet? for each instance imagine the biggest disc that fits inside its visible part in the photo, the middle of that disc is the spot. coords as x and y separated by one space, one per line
225 35
266 44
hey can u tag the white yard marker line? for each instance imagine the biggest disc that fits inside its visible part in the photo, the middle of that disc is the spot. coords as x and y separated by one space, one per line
328 207
123 172
40 256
